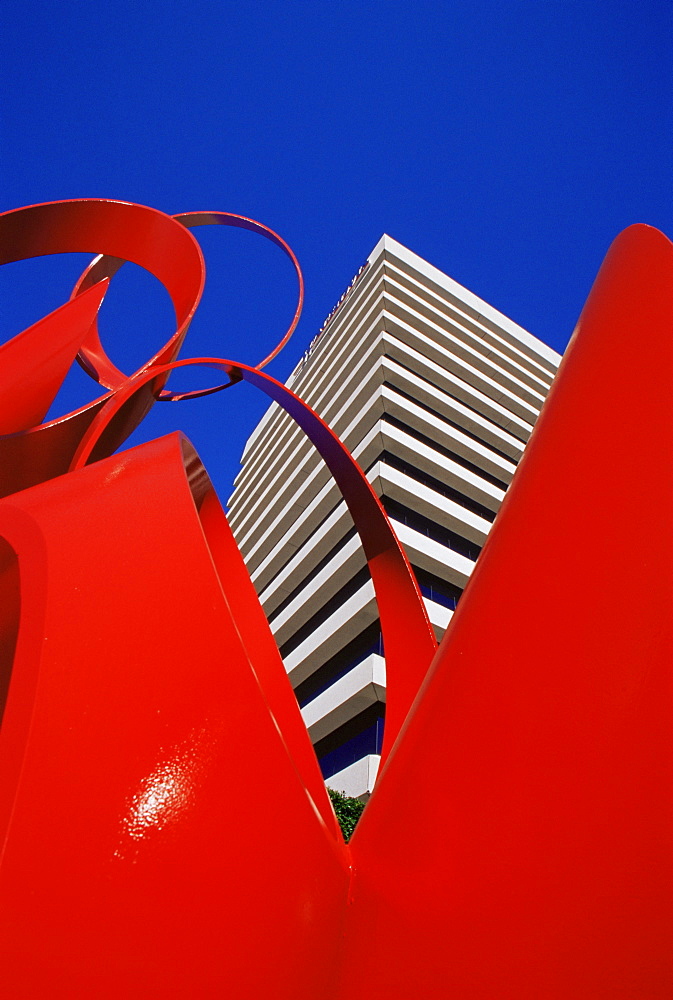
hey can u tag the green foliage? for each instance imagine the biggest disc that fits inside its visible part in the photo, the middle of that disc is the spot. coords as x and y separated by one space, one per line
348 811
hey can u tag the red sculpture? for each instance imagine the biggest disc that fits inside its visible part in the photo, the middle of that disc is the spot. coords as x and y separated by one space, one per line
518 842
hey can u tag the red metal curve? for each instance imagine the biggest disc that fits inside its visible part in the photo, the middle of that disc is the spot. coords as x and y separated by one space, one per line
143 235
408 638
46 349
192 219
157 838
531 856
92 355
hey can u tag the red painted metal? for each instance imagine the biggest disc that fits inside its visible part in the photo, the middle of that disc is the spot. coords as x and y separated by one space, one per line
165 830
46 350
518 843
159 837
131 232
408 639
92 355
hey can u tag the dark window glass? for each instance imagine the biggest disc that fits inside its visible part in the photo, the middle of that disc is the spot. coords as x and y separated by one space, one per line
452 395
452 423
323 613
431 529
369 641
292 554
352 741
436 589
312 575
458 459
435 484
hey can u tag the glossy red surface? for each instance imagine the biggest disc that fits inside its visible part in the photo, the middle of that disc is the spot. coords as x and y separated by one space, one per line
408 638
165 829
519 840
131 232
92 355
159 835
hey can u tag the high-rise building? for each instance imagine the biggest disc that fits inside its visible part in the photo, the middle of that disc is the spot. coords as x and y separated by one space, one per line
435 393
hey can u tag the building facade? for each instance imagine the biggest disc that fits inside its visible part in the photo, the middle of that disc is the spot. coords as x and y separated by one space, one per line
435 393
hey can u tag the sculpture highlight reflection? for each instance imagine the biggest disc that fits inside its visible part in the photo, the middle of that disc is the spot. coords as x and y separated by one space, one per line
532 751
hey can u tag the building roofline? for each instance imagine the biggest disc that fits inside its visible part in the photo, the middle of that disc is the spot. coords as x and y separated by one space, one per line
388 245
391 248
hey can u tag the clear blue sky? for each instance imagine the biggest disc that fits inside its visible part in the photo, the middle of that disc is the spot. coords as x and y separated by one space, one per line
505 142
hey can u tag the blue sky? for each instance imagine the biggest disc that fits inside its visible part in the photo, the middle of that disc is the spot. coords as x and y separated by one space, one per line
505 142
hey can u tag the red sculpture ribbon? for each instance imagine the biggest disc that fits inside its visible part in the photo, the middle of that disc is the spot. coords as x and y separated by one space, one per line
92 355
32 452
164 828
124 232
170 253
408 640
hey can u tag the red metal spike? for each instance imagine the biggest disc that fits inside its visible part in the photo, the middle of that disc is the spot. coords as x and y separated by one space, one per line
34 363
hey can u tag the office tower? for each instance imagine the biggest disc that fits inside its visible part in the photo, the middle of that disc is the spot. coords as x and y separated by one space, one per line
435 393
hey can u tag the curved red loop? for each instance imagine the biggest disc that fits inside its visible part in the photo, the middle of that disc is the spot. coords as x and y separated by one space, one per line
408 639
93 357
163 245
145 236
